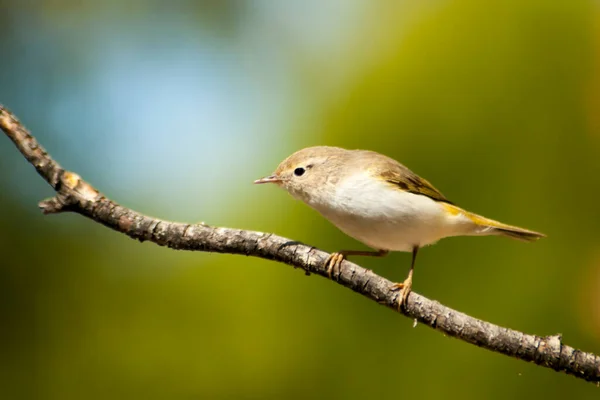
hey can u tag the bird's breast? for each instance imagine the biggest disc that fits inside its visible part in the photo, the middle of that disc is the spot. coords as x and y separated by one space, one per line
383 216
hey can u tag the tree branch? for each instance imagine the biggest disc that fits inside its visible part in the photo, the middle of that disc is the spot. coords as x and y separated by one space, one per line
76 195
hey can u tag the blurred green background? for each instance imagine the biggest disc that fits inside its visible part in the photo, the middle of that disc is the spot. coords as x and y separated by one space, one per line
174 108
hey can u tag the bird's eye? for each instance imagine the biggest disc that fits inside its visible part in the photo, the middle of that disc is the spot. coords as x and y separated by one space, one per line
299 171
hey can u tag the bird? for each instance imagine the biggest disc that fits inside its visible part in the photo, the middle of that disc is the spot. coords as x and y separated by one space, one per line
381 203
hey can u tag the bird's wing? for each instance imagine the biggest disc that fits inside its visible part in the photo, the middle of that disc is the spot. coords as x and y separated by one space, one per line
402 177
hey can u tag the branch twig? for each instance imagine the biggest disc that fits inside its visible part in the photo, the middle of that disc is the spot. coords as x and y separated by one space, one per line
75 195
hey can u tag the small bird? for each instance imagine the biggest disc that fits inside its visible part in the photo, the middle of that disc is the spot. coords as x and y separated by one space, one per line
381 203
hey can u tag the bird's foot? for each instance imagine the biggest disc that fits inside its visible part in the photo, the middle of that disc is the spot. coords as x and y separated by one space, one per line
333 262
405 289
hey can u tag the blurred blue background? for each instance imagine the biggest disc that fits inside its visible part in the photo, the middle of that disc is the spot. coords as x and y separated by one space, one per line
173 109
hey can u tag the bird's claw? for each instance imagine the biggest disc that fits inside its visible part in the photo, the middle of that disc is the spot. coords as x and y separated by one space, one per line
405 288
334 261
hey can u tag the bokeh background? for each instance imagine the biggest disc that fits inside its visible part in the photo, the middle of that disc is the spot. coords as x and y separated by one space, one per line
174 108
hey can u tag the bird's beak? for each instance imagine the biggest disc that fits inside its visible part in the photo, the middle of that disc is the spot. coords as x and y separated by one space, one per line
269 179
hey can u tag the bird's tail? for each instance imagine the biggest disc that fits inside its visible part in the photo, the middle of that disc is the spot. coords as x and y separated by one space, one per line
485 226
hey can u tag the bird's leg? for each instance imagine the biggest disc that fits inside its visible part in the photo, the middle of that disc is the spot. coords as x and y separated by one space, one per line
406 286
334 261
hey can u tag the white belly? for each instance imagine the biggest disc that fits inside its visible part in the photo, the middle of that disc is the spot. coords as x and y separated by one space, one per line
386 218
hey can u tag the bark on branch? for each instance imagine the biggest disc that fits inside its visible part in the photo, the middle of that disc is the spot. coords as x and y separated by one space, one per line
76 195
